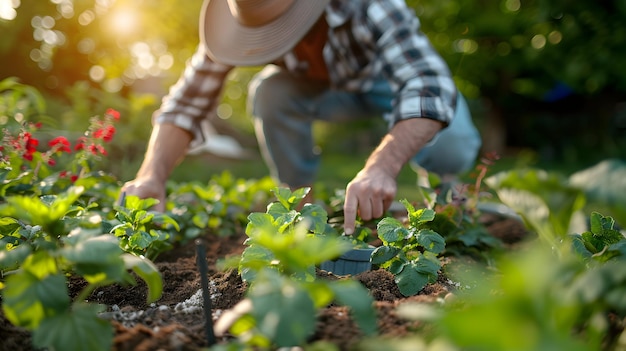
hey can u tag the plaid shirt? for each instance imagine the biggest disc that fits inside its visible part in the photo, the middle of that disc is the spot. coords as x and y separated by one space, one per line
367 40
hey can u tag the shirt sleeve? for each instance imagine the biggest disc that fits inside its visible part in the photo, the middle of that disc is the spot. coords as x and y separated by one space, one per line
417 73
195 95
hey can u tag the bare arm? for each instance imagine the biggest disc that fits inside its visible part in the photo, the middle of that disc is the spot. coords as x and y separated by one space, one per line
373 189
166 148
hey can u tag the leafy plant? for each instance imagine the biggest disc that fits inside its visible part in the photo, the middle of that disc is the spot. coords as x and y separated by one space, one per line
410 253
545 200
53 225
557 299
140 231
221 206
284 247
43 240
459 207
551 204
602 241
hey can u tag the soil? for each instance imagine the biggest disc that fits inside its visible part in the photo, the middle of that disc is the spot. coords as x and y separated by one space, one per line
177 320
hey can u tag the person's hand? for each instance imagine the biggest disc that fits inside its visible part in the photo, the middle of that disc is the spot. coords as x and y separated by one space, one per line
369 195
147 188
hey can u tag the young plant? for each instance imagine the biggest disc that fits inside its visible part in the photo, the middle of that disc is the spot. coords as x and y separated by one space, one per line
43 240
140 231
458 211
410 253
602 241
221 206
284 247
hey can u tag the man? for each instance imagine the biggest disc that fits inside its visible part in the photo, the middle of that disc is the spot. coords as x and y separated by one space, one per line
328 60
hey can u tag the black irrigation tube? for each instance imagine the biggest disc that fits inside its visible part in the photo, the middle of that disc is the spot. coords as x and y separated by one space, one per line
206 296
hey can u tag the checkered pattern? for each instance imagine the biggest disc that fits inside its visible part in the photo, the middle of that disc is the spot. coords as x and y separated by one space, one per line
368 39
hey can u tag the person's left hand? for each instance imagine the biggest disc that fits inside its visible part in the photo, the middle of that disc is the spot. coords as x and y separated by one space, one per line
369 195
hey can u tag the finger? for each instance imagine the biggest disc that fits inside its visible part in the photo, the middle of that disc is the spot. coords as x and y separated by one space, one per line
377 207
349 212
365 209
387 204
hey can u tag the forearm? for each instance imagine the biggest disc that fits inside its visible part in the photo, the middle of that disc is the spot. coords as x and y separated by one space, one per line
166 148
402 142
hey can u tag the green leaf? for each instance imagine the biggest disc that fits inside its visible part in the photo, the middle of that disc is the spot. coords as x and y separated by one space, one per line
383 254
45 211
410 281
140 239
391 230
14 257
431 240
253 259
103 248
579 246
8 225
28 299
290 199
142 217
274 299
424 215
427 264
146 269
317 216
135 203
352 294
258 222
76 329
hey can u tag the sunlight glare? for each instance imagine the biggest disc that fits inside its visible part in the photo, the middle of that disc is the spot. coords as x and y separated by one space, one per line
124 21
7 9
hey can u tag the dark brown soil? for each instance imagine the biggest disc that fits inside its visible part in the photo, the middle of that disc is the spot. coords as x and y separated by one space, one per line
175 322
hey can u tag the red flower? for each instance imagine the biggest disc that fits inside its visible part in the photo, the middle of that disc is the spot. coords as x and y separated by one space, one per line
73 178
109 131
52 162
63 174
101 149
93 148
80 143
98 133
61 143
113 113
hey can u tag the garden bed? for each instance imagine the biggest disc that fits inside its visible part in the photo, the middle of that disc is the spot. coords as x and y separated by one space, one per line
176 321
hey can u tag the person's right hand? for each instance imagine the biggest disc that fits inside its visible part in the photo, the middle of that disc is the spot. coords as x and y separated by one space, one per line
147 188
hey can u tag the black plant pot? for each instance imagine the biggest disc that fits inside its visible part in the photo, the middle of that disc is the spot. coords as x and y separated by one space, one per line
350 263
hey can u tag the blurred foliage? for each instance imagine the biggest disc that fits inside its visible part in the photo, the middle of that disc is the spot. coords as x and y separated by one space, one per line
542 49
545 72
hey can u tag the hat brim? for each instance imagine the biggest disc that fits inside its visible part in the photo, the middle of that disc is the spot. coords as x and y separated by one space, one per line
228 42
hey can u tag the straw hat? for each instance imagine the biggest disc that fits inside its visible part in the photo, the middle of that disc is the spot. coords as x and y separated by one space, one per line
255 32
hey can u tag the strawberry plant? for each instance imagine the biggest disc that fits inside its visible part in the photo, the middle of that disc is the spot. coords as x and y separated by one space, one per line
410 253
221 206
140 231
602 241
44 239
284 247
458 209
